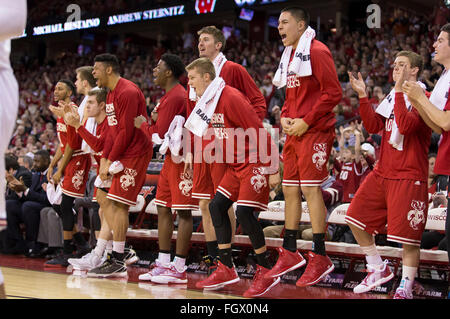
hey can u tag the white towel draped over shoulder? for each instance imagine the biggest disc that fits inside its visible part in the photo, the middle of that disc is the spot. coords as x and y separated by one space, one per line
201 115
439 95
301 62
385 109
172 138
218 63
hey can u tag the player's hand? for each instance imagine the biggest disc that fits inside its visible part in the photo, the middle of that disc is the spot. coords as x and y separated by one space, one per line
154 116
49 174
358 84
188 160
403 76
57 177
139 120
298 127
104 169
72 119
286 123
413 90
57 110
274 180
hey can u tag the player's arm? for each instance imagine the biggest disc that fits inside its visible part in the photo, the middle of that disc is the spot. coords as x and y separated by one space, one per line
13 18
248 87
96 143
324 71
371 120
68 151
54 162
435 118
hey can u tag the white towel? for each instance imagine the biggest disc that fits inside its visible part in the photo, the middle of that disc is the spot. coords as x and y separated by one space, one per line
200 117
54 195
385 109
114 168
439 96
172 138
301 62
218 63
91 125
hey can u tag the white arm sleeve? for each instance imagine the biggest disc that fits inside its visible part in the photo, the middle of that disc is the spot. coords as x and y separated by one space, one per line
13 18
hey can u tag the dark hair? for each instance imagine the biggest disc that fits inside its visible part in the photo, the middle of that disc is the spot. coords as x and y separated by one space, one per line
69 85
86 74
446 28
298 13
44 154
110 60
174 64
11 162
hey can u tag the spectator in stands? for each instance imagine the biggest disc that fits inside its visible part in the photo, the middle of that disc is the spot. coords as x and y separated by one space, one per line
25 207
25 161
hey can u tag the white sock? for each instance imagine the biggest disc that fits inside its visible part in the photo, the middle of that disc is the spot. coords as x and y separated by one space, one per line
100 247
179 263
119 247
164 258
109 246
1 277
372 256
408 273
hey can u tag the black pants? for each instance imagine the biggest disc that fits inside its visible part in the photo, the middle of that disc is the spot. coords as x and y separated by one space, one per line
28 212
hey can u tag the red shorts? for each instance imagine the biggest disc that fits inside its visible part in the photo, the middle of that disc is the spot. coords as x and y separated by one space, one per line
76 175
174 187
207 178
126 185
402 204
305 158
250 184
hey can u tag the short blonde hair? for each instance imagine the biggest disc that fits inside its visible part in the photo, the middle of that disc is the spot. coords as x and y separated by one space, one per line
203 65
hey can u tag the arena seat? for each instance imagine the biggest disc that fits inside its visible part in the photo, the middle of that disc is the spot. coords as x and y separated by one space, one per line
436 219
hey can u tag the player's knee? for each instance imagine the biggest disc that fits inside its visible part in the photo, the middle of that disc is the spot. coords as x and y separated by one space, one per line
218 208
184 214
310 191
251 226
204 205
291 192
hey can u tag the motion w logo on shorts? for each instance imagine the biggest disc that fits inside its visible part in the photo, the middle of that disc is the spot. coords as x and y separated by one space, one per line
111 114
186 184
320 155
77 179
258 181
416 215
127 179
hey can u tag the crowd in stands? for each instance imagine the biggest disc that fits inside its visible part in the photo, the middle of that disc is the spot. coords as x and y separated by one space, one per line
369 51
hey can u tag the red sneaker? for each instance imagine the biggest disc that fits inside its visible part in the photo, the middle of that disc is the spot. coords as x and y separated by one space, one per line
261 284
318 267
287 261
221 277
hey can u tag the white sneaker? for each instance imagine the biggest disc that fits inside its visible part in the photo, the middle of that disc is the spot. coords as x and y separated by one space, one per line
87 262
171 275
155 269
402 291
374 278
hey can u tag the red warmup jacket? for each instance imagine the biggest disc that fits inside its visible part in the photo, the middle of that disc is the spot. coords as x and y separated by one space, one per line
313 98
123 105
412 162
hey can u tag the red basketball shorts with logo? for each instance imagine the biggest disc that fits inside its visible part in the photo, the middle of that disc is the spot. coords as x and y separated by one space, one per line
127 184
76 175
247 187
208 177
174 188
401 204
305 158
